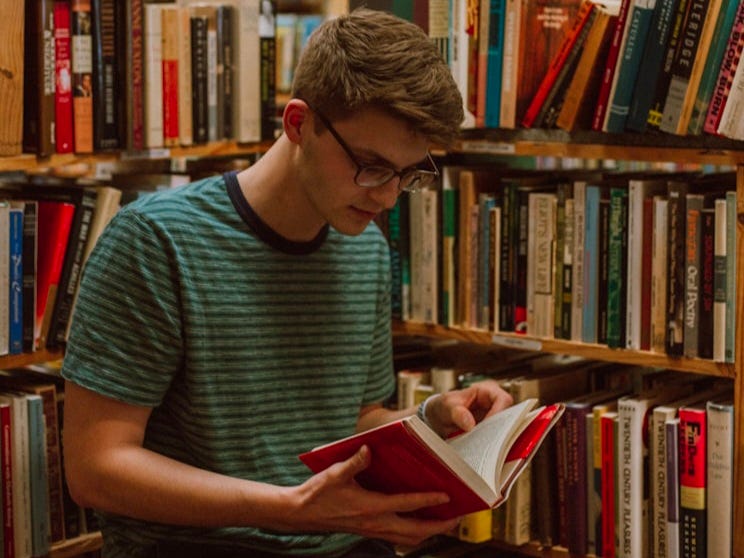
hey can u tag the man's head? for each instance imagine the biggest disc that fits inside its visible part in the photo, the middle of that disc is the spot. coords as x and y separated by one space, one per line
370 58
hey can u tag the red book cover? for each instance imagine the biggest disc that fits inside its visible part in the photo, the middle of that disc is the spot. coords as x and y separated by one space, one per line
55 222
608 424
557 62
63 77
603 98
692 481
407 456
6 470
170 76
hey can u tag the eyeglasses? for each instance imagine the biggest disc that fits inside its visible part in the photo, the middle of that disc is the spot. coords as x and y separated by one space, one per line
371 176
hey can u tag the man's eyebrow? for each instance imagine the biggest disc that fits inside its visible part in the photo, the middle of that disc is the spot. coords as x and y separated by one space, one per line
376 158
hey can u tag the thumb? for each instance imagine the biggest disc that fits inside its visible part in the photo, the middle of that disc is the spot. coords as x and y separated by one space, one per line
356 463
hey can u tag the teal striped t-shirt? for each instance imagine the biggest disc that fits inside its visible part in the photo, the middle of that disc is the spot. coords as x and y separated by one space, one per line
249 347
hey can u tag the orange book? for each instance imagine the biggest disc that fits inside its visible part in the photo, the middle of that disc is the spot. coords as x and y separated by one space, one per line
557 63
476 469
82 76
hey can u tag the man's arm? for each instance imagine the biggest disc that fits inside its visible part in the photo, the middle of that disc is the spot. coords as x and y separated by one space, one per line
108 469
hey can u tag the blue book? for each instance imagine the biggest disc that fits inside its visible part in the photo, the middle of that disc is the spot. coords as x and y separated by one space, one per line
494 64
15 298
651 64
639 24
591 263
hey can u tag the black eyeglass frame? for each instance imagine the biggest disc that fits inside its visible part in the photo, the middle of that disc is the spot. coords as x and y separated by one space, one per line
417 179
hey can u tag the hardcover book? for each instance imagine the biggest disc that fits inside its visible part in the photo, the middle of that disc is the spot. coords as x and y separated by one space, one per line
476 469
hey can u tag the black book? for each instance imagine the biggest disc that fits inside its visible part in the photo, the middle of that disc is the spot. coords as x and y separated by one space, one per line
105 76
199 71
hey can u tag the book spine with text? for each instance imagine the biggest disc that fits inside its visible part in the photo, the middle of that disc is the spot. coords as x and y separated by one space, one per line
692 481
63 118
82 75
720 417
105 76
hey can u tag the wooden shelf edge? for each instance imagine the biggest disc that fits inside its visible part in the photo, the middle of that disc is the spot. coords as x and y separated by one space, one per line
77 546
587 350
24 359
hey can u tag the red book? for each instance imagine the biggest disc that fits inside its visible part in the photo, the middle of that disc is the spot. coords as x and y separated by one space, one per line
608 425
55 222
692 481
6 470
170 75
476 469
63 78
603 98
557 62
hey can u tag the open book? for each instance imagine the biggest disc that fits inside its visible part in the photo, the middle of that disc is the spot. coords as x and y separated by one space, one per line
476 469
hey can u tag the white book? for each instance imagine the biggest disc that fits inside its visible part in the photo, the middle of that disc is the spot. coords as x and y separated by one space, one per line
659 275
185 117
719 281
638 190
459 48
153 76
733 110
577 275
541 235
21 486
510 64
720 476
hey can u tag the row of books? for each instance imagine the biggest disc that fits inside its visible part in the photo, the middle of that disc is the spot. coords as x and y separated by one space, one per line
35 505
49 226
622 65
47 233
667 65
137 75
637 260
638 465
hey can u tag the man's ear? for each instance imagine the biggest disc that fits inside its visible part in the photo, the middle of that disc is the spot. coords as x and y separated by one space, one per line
293 118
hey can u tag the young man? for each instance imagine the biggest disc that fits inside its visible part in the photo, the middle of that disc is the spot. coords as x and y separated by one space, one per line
226 326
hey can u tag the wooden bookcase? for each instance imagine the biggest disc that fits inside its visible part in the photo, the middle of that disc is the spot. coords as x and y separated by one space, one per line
626 147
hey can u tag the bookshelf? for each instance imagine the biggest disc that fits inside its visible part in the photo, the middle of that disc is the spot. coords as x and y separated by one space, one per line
707 150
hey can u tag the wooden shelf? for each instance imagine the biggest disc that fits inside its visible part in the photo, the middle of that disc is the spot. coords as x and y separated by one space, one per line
81 165
597 145
77 546
24 359
559 346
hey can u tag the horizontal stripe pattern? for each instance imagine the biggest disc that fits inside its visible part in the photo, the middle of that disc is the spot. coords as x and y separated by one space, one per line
248 355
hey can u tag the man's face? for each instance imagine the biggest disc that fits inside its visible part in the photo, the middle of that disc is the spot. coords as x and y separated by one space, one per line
374 138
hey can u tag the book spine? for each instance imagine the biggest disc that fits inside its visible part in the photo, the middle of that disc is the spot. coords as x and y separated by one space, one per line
646 274
719 281
714 59
651 65
199 77
633 454
731 276
693 245
38 477
656 108
677 212
684 59
729 63
267 35
153 70
585 10
72 269
567 285
609 424
494 63
185 117
105 72
82 76
613 54
509 228
720 417
672 484
510 64
576 479
603 251
225 27
659 275
705 324
136 55
577 270
591 266
63 117
629 63
692 481
6 486
15 280
39 86
170 65
658 480
617 256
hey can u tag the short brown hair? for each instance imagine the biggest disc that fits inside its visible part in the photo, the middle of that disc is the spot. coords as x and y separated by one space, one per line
373 58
